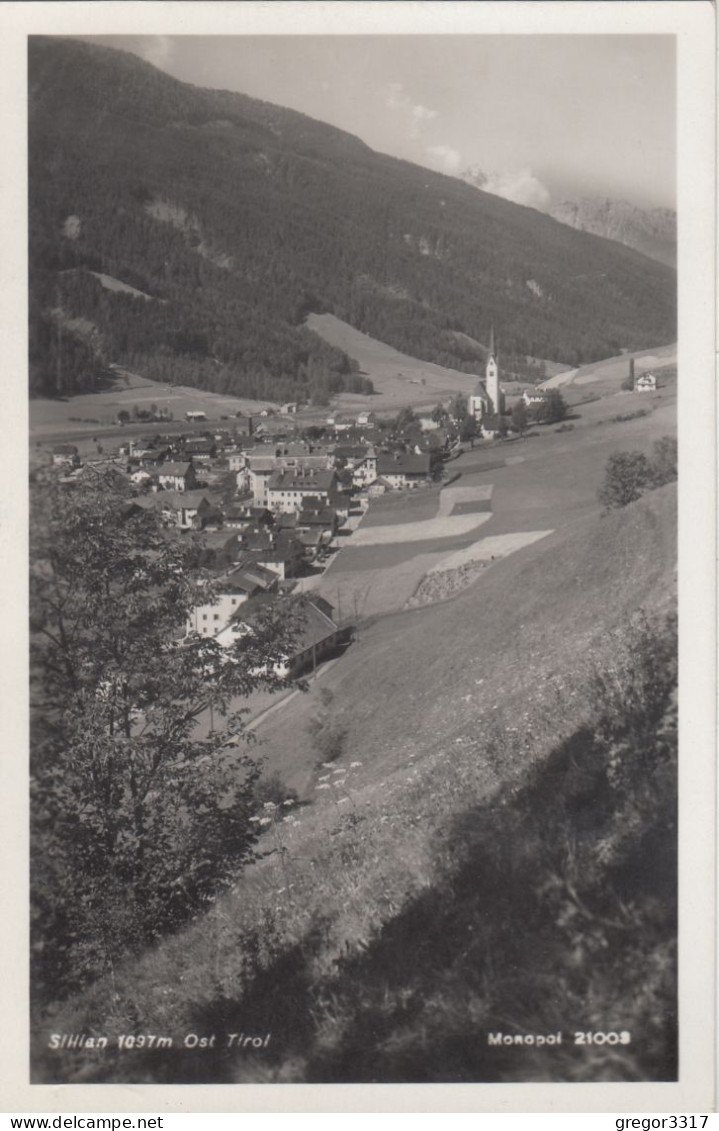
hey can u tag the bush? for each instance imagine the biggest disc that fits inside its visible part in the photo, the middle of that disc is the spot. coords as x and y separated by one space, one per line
272 788
626 475
664 461
328 734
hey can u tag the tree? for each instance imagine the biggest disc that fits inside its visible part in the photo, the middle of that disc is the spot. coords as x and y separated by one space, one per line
552 409
625 477
520 420
404 420
468 429
123 416
458 408
664 461
139 813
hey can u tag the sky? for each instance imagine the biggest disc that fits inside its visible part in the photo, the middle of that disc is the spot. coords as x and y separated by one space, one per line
545 117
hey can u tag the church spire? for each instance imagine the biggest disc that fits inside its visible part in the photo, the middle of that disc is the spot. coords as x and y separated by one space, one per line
491 341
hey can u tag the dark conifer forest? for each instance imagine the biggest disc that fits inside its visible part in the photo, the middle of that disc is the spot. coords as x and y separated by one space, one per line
234 219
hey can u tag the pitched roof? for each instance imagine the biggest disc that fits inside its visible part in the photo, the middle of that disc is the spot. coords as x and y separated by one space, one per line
251 576
289 480
262 463
402 464
187 500
173 469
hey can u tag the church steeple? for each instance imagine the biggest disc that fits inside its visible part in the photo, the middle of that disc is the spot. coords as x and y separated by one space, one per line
494 393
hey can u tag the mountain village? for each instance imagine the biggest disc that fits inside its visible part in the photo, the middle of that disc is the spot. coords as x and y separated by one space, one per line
272 499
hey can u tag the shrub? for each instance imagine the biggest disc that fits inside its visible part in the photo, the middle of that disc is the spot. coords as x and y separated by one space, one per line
664 461
328 734
625 477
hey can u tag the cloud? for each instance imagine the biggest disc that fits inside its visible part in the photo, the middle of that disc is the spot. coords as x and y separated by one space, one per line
447 158
397 99
156 49
520 186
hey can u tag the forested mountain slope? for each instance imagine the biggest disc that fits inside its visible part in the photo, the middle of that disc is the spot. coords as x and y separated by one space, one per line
236 218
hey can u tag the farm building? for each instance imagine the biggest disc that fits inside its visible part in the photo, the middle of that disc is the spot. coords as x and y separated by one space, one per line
65 455
647 383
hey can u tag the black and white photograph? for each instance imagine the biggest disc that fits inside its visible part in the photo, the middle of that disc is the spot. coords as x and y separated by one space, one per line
353 370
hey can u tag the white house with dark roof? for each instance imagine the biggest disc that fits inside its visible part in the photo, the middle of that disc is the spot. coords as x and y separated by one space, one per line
287 489
646 383
234 589
401 470
65 455
176 476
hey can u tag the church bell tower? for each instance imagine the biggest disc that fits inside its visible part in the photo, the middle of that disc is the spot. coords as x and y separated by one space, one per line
494 393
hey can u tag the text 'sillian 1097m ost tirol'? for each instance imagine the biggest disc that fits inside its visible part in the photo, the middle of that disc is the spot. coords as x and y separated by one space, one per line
131 1041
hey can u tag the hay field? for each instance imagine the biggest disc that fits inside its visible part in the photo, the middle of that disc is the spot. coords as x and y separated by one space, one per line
93 413
399 379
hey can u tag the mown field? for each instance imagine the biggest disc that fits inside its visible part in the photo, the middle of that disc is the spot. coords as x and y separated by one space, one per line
536 484
88 414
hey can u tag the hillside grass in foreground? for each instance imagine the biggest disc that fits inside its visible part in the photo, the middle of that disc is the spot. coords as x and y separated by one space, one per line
545 903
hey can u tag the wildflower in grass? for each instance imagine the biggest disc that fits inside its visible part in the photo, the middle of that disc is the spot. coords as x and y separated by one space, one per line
269 805
324 786
265 821
339 770
342 800
355 765
325 777
254 820
288 803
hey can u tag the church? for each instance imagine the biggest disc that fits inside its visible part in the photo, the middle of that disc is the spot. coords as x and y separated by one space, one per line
488 398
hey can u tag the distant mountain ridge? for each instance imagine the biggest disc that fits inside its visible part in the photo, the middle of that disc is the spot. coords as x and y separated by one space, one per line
651 231
234 219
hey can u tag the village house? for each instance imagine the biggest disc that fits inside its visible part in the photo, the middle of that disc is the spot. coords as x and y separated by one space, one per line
176 476
319 638
233 589
200 449
533 397
256 477
287 489
646 383
189 510
65 455
364 471
245 517
400 470
277 550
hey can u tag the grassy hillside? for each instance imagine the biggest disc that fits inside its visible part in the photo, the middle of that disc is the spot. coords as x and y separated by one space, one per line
234 219
493 850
